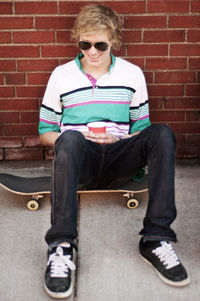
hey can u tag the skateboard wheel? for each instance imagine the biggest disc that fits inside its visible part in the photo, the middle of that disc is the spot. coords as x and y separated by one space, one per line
132 203
33 205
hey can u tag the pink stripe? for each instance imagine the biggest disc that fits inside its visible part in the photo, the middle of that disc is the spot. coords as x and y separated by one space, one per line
96 101
134 120
48 121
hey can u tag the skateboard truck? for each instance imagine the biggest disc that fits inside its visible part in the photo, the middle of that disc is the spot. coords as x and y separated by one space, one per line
34 204
132 203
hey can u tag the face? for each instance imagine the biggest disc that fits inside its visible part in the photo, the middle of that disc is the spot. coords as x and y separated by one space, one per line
94 57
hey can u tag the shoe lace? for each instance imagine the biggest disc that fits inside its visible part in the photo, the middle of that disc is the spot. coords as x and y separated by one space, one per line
60 264
167 255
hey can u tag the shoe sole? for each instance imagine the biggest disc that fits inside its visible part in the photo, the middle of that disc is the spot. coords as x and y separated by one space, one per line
167 281
68 292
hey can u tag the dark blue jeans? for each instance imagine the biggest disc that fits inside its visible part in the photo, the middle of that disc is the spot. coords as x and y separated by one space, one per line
80 161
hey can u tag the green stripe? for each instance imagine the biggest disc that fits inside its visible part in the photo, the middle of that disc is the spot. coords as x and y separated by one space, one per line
94 112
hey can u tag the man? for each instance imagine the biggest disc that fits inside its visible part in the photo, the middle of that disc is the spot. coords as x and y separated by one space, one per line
97 86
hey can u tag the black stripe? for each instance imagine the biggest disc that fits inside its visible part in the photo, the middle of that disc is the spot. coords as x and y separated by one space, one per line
140 105
50 109
99 87
117 122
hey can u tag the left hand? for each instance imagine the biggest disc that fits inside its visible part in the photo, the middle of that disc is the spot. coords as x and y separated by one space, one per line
102 139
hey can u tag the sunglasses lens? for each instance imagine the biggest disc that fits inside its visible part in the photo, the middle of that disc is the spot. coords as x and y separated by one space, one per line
84 45
101 46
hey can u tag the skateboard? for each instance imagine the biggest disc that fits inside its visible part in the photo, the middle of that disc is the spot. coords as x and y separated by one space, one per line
38 187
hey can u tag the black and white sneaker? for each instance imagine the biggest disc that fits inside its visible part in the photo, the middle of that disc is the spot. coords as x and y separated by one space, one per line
59 276
163 258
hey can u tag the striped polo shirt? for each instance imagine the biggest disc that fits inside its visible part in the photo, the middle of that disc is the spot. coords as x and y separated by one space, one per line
73 99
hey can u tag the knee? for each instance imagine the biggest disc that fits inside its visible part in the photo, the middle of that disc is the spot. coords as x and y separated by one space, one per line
164 135
69 140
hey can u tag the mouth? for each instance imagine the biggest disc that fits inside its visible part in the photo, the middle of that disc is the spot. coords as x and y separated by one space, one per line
94 58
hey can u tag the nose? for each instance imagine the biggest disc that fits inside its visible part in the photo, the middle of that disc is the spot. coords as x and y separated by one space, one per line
93 50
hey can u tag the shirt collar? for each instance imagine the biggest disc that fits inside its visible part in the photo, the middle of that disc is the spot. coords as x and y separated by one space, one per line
80 55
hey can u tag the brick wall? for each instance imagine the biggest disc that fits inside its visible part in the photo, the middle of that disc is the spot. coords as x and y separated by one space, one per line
162 37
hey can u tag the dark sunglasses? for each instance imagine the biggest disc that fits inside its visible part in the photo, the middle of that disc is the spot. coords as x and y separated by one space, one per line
101 46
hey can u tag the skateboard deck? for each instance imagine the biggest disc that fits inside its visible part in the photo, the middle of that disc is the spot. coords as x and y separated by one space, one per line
37 187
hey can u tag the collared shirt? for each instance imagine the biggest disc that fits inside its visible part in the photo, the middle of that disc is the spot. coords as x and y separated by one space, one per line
73 98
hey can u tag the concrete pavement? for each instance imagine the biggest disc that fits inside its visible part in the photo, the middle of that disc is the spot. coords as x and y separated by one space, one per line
109 266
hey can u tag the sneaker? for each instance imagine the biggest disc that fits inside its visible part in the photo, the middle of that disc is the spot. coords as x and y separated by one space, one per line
163 258
59 276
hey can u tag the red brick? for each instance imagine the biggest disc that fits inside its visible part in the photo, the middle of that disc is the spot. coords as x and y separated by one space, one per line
7 92
37 65
182 103
184 21
165 90
122 7
32 141
5 37
185 50
147 50
34 37
193 116
7 65
156 103
194 63
38 78
23 154
19 104
15 78
193 139
58 51
193 36
148 76
185 127
188 152
34 7
167 116
166 63
175 77
1 79
19 51
136 61
180 139
21 129
145 21
1 154
11 142
63 36
156 36
193 90
54 22
195 6
16 22
121 52
29 117
9 117
30 91
70 7
132 36
168 6
5 8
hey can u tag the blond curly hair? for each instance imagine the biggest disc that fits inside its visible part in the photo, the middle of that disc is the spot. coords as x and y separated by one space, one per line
95 17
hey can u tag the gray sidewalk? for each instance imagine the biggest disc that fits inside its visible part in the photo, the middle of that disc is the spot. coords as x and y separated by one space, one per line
109 265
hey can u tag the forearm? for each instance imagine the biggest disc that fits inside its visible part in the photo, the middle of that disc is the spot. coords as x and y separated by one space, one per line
49 138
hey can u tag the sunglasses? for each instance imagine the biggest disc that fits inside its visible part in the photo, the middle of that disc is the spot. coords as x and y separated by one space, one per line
101 46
